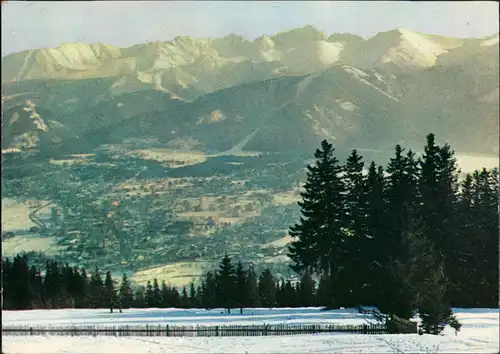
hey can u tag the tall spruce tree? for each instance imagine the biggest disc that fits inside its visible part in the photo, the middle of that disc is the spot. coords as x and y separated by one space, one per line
165 294
320 237
483 236
125 293
253 290
140 298
307 290
374 247
353 279
226 283
110 292
242 287
438 186
156 293
401 197
267 289
209 291
193 296
96 289
150 299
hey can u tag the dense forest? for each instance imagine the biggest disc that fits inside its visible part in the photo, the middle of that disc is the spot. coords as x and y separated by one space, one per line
410 237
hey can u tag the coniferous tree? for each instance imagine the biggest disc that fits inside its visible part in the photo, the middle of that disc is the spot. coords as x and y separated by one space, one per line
156 293
150 299
267 289
85 286
209 291
280 294
193 296
373 248
253 290
19 283
166 297
125 293
401 194
110 292
140 298
96 290
482 237
52 285
355 223
175 297
323 292
438 199
242 288
226 283
185 298
424 270
76 288
199 294
7 284
320 238
291 294
306 293
35 282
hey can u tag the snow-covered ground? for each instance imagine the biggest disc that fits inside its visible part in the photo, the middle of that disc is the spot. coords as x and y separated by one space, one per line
479 334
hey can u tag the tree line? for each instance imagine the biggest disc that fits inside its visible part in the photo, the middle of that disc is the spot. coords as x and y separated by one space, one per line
411 237
229 286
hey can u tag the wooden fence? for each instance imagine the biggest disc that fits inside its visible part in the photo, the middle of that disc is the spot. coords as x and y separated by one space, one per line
201 331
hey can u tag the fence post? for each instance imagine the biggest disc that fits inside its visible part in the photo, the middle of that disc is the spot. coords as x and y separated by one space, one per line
216 331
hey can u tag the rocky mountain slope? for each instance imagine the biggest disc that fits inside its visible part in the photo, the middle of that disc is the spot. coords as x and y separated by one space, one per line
288 90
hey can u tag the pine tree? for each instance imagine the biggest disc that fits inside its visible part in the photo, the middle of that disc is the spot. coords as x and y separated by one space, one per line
35 282
19 282
320 239
355 268
482 236
291 294
426 278
7 284
96 290
156 293
324 292
209 291
110 292
242 287
85 286
193 298
267 289
165 295
253 290
150 299
438 188
185 298
307 290
125 294
374 243
226 283
140 298
51 284
401 196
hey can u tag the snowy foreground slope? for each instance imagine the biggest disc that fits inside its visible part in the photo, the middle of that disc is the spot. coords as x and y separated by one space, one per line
479 334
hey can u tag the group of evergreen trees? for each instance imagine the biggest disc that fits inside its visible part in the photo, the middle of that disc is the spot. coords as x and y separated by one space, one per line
410 237
229 286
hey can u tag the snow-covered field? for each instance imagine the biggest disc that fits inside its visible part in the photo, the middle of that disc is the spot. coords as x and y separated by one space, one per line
479 334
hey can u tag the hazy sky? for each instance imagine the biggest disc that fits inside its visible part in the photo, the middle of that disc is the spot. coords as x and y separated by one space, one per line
30 25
